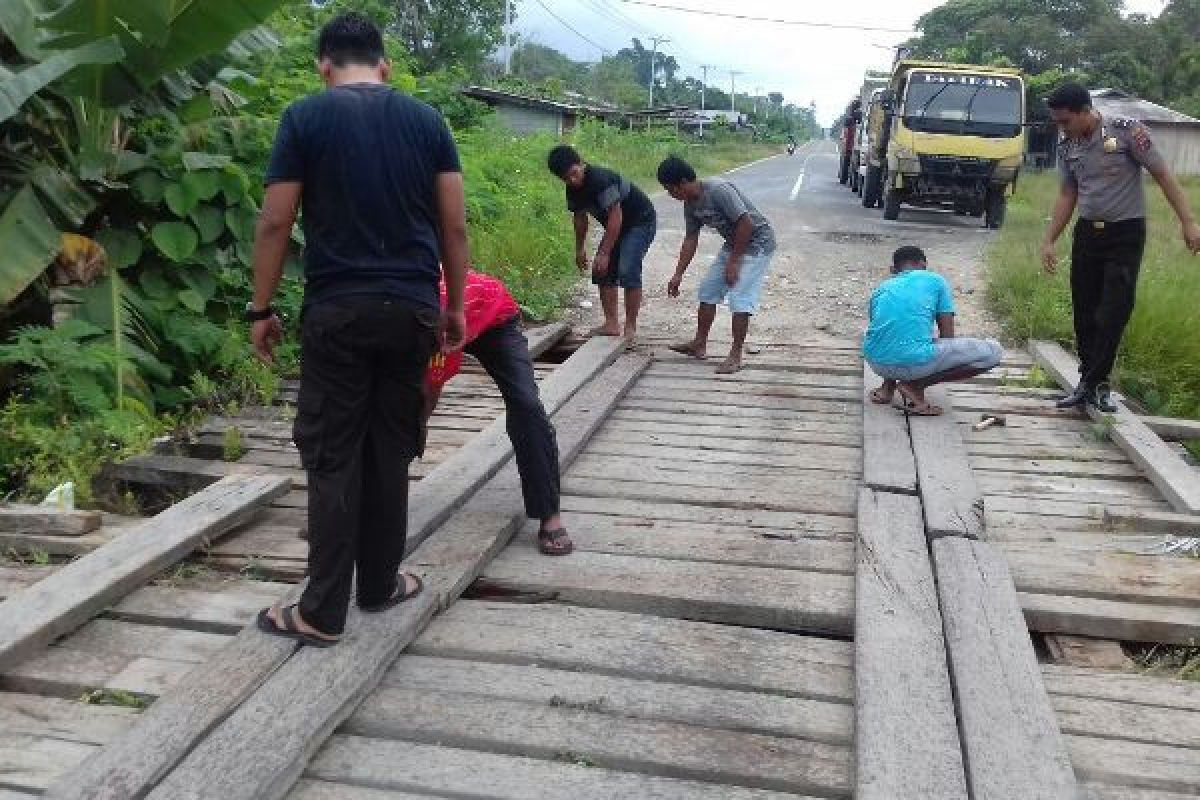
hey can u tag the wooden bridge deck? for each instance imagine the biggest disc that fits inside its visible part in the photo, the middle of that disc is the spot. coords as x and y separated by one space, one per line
701 642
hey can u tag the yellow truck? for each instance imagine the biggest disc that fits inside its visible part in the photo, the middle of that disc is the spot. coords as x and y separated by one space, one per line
950 136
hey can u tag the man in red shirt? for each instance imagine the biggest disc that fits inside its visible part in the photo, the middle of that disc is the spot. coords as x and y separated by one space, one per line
494 338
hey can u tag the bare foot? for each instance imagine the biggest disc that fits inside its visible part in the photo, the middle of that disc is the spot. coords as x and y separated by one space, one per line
884 394
605 330
729 366
631 341
689 349
915 402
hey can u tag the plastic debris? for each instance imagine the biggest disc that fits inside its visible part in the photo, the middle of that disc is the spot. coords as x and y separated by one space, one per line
61 497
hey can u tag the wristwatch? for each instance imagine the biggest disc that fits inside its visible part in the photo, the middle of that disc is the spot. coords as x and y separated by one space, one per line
253 314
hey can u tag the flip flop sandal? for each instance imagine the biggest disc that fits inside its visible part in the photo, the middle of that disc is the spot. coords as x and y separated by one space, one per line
547 543
398 596
875 398
289 629
926 410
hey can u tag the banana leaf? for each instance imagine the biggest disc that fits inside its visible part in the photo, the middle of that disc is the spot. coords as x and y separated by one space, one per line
29 241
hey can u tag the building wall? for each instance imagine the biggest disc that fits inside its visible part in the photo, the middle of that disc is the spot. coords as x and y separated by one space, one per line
1180 147
524 121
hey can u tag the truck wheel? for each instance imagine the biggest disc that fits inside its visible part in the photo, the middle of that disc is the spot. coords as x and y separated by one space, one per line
891 204
844 169
997 204
872 186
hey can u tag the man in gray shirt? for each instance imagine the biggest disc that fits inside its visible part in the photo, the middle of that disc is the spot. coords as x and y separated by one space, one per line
737 274
1101 162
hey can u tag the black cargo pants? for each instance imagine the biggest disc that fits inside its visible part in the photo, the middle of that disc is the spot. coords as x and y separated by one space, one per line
1105 261
504 354
358 426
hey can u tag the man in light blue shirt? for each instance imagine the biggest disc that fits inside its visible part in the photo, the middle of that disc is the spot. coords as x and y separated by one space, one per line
899 343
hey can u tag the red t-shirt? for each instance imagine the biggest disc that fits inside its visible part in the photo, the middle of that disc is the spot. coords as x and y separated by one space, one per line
486 305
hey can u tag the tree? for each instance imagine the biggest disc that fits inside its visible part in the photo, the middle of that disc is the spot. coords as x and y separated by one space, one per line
442 34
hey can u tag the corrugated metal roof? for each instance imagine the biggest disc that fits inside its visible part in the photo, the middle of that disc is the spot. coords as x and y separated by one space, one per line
1116 103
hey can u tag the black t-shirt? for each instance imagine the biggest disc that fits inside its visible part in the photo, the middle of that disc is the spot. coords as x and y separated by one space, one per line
368 157
602 189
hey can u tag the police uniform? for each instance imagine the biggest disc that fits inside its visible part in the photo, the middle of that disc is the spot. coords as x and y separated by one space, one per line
1110 235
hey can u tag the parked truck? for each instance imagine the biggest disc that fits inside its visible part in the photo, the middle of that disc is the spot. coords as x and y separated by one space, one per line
949 136
856 117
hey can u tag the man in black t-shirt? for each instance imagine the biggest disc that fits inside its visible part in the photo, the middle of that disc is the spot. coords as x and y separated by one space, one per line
378 176
629 222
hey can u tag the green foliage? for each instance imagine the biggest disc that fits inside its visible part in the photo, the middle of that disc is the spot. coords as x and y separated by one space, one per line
232 445
1159 362
114 697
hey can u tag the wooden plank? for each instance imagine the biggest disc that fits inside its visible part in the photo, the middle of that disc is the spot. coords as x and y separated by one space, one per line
544 337
1111 619
209 720
724 709
14 578
1173 428
55 545
950 495
906 733
617 436
1133 578
75 593
643 647
759 597
39 519
67 673
766 478
1162 521
845 459
888 461
325 790
1166 469
840 499
68 720
452 481
1128 722
1140 689
1085 651
30 763
1011 742
1147 766
223 610
450 772
1100 791
654 747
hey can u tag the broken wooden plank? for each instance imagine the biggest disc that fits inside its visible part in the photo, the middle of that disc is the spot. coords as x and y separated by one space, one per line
888 461
1011 741
1176 479
544 337
72 595
1085 651
950 495
1173 428
51 521
216 700
1111 619
906 734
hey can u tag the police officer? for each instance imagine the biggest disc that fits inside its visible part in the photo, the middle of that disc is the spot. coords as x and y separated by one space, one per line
1101 163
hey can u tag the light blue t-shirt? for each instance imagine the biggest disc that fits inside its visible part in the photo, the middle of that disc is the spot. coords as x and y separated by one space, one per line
904 310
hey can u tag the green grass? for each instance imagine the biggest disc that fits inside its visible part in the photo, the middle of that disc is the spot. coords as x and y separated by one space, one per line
1159 363
519 227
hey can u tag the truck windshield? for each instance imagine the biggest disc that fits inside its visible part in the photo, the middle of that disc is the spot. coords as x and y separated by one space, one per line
975 105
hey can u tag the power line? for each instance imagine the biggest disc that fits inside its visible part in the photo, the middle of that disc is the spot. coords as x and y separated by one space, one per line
750 18
568 26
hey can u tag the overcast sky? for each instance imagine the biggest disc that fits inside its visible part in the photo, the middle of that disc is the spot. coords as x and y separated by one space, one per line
807 64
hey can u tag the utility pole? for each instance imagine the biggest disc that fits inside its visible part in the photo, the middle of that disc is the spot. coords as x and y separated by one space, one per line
653 58
757 92
733 73
704 68
508 37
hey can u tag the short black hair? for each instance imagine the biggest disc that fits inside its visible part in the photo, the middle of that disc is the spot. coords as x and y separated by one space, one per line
351 38
562 158
674 171
1070 97
907 255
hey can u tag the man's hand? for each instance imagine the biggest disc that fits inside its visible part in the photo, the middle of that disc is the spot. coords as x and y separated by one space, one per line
452 332
600 264
1049 258
264 335
581 260
733 268
1191 236
673 285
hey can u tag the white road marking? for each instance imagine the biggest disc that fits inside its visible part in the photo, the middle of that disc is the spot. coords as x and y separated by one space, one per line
797 187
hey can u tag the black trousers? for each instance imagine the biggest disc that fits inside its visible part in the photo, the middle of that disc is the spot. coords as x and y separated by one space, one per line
358 427
1104 271
504 354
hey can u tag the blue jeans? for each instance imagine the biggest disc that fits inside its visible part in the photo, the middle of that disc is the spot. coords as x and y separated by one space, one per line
744 295
625 264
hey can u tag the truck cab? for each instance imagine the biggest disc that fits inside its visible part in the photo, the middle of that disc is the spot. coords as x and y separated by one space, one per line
952 137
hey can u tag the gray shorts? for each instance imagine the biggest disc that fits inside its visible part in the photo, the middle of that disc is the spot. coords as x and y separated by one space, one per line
956 353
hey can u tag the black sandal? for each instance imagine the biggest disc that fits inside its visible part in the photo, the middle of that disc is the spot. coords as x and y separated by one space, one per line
398 596
289 630
547 543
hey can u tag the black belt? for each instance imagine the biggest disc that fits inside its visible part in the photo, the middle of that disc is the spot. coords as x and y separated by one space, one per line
1102 225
